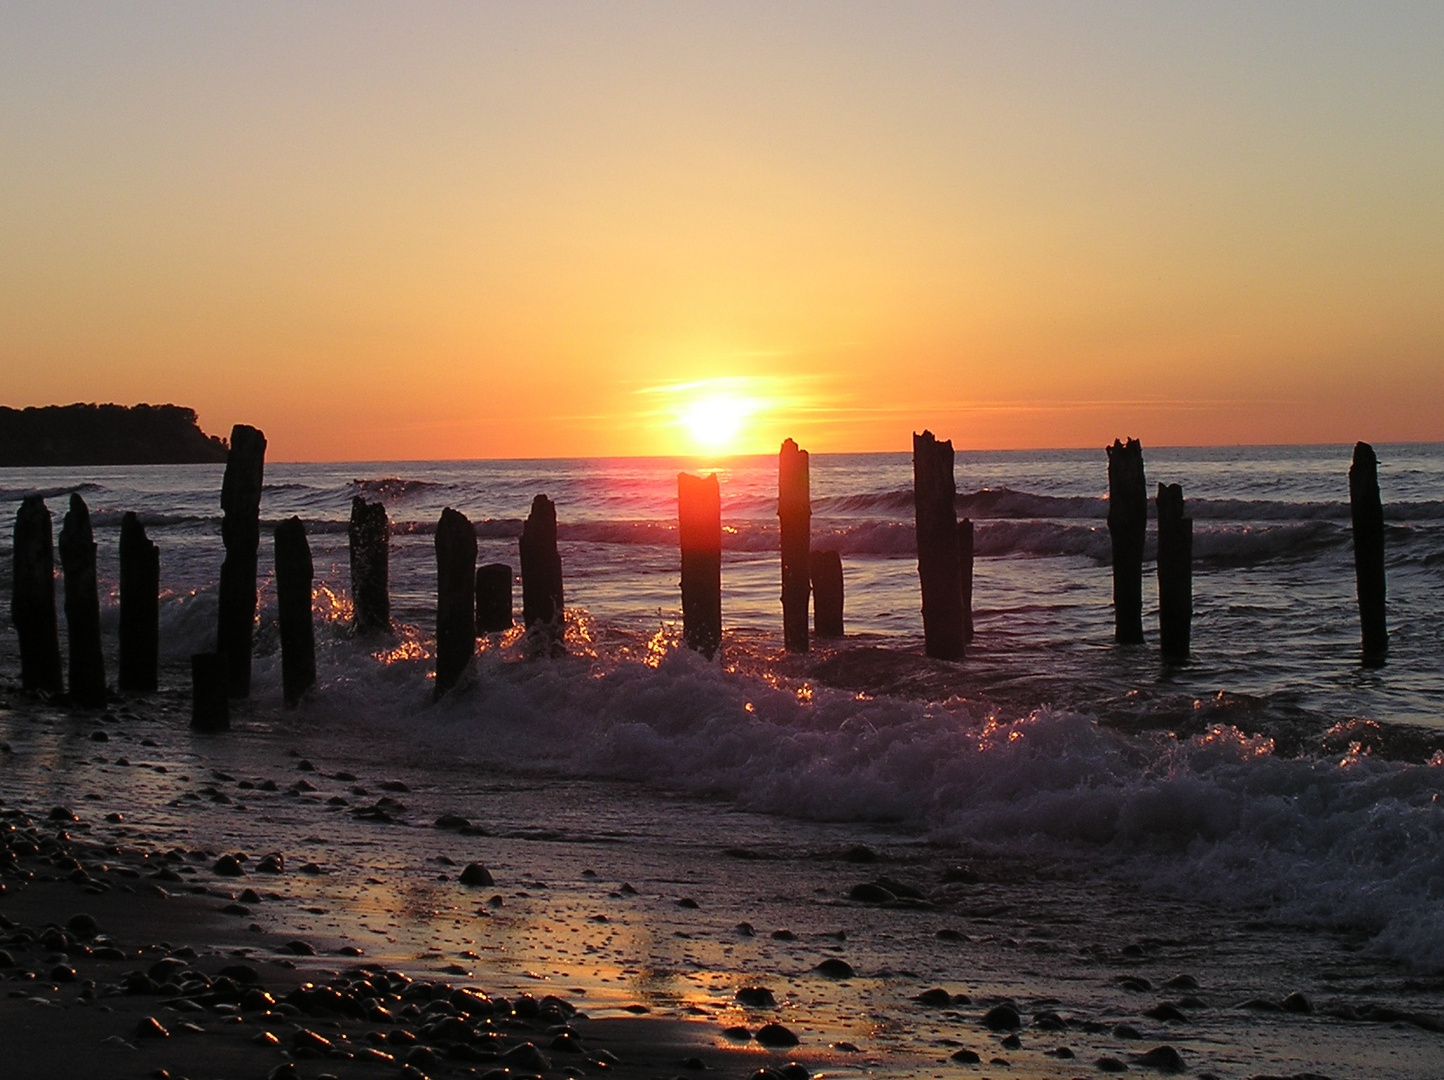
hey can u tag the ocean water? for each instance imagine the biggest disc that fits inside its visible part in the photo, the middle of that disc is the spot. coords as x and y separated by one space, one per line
1273 773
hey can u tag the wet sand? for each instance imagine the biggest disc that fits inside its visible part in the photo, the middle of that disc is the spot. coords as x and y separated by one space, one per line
651 914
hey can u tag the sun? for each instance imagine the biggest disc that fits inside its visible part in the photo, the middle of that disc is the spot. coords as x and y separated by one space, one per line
714 421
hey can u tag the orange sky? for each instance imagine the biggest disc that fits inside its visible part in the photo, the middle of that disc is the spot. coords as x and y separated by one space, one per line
410 231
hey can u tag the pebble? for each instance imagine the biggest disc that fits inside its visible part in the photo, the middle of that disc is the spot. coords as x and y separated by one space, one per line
1163 1058
1297 1003
967 1057
935 998
150 1028
228 866
869 893
775 1034
1002 1018
756 997
476 874
1164 1011
1012 1042
271 864
1110 1065
833 968
83 926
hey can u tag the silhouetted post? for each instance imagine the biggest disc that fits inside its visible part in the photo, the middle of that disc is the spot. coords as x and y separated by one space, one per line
794 511
699 520
827 594
1367 511
370 542
32 597
294 573
1175 573
1127 527
139 608
82 607
493 598
965 574
541 571
455 597
210 693
937 532
241 533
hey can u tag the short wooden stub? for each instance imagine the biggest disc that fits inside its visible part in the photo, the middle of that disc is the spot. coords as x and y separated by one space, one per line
82 607
32 598
210 693
1367 510
542 598
493 598
794 511
827 594
139 608
1175 573
369 535
455 598
699 521
965 574
294 575
937 535
241 533
1127 528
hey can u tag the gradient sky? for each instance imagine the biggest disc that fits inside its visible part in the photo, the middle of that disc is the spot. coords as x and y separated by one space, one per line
475 230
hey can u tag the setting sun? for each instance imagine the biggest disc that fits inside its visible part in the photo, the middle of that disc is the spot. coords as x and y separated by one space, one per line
726 414
714 421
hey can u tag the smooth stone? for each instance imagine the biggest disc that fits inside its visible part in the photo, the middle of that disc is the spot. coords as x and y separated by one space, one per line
476 874
775 1035
150 1028
1294 1003
1163 1058
1110 1065
1002 1018
833 968
1181 982
83 926
228 866
1127 1031
936 998
1012 1042
967 1057
868 893
756 997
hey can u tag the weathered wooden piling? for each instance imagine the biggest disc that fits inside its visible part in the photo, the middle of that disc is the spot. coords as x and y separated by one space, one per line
139 608
826 567
965 575
699 520
32 597
493 598
370 542
294 574
241 533
210 692
82 606
542 600
455 597
794 512
1128 528
1367 510
937 535
1175 573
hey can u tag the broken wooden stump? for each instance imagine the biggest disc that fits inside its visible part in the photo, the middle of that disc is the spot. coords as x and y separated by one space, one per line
965 575
82 607
699 528
241 533
1175 573
210 692
1127 528
542 606
493 598
826 575
139 608
937 536
794 512
32 598
369 535
294 574
455 597
1367 511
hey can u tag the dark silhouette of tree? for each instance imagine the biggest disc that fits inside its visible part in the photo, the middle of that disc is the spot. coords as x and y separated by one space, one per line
105 435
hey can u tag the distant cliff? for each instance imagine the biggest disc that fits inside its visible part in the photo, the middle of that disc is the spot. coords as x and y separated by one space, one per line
105 435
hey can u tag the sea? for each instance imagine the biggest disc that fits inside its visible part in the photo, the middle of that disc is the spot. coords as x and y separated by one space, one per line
1273 773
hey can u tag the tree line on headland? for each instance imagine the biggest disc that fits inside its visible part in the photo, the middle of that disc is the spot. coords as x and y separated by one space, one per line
105 435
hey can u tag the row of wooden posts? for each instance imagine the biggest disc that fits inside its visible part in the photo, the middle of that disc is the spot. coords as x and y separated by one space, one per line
474 600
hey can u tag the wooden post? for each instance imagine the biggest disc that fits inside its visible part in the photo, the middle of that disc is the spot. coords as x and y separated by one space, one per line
82 607
370 543
294 574
827 594
493 598
937 533
699 518
1127 527
210 692
241 533
542 604
455 597
139 608
1175 573
32 598
794 511
965 575
1367 511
